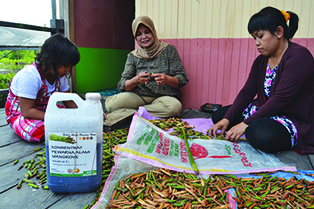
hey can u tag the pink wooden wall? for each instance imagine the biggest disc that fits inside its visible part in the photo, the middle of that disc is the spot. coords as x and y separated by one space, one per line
218 68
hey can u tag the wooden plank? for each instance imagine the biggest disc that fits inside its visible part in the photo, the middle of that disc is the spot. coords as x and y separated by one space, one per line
18 150
121 125
11 175
35 198
8 136
118 116
292 158
28 198
311 158
3 121
75 201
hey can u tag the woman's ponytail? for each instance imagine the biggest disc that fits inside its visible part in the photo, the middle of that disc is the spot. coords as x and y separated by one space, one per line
293 24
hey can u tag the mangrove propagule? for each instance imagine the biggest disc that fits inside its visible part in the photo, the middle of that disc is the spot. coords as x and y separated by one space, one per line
66 139
191 159
164 188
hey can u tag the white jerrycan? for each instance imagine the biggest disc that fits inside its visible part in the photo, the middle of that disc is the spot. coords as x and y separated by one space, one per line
74 141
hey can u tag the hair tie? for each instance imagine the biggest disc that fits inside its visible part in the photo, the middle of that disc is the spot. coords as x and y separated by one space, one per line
287 15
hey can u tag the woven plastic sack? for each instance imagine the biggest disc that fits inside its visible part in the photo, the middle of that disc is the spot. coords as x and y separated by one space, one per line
150 144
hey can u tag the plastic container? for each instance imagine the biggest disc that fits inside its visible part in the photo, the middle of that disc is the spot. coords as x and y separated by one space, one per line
74 141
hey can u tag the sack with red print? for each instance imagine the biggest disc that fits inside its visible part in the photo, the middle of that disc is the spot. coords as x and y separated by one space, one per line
151 145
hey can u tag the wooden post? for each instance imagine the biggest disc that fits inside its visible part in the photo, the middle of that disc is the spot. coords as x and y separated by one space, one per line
66 8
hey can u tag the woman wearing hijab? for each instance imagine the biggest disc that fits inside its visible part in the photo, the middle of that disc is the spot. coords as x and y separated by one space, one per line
153 75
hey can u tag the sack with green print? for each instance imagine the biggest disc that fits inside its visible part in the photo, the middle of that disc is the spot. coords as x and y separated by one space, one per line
151 145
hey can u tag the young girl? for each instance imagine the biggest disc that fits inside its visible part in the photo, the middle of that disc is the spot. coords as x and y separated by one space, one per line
282 79
32 86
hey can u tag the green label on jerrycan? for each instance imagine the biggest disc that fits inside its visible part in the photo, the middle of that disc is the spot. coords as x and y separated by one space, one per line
72 154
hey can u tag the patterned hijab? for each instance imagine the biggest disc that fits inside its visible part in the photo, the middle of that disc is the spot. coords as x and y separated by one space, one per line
156 48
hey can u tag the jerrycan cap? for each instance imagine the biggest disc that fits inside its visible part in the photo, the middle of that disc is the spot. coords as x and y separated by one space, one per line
92 96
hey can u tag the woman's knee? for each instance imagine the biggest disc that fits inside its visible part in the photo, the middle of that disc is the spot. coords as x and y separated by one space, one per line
123 100
268 135
174 109
165 107
220 113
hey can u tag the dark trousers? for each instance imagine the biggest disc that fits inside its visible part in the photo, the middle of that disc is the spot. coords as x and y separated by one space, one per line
265 134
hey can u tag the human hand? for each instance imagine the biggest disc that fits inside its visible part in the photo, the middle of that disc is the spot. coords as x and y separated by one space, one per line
221 125
143 78
236 132
161 78
105 116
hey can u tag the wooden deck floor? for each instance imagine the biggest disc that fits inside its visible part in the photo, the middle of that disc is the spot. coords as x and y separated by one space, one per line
12 147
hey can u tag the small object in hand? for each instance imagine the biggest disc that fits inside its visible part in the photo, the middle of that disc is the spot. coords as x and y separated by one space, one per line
229 132
145 82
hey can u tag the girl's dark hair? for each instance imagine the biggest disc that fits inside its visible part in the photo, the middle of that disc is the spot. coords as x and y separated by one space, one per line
57 51
270 18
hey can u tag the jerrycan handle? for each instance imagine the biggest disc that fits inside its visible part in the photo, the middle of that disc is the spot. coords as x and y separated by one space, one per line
58 96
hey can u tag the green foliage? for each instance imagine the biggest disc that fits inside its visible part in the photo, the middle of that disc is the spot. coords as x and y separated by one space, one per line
16 60
5 80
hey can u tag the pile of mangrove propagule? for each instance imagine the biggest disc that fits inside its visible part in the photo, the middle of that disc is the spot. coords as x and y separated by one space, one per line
164 188
177 125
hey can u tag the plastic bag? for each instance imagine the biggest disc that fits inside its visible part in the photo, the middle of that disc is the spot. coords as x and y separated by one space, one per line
123 167
150 144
